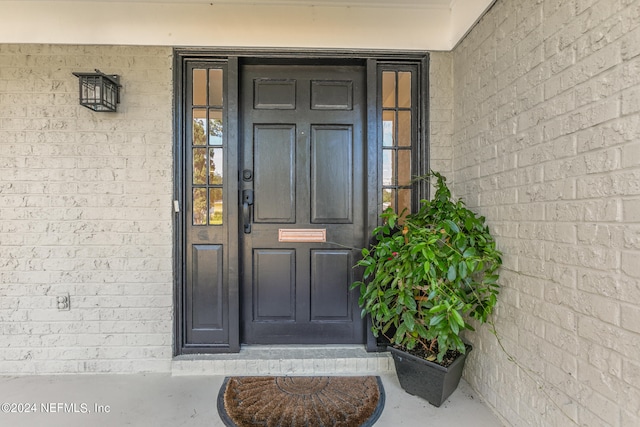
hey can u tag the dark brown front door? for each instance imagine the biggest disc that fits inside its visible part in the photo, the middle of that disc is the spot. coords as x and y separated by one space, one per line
303 192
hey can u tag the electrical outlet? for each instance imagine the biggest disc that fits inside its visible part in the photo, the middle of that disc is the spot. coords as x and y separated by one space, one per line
63 302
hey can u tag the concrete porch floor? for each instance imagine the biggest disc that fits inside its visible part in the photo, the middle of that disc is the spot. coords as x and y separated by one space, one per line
159 400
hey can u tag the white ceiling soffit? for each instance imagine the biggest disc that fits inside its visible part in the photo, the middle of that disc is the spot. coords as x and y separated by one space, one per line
331 24
344 3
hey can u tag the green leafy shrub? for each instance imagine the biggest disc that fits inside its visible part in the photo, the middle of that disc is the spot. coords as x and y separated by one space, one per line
424 277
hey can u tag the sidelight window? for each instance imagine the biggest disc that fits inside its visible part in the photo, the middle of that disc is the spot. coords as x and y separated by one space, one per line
398 113
207 148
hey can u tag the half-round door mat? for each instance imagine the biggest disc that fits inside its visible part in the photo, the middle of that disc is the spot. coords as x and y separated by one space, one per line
301 401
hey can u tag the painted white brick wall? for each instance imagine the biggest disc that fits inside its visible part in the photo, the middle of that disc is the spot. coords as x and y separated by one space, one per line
546 144
85 209
440 112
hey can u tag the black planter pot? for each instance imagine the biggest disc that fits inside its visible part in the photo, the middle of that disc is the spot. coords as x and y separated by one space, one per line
425 379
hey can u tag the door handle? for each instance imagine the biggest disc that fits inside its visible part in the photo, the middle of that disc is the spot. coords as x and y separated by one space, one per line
246 215
247 201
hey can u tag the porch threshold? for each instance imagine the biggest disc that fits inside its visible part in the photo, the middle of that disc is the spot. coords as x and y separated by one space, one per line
286 360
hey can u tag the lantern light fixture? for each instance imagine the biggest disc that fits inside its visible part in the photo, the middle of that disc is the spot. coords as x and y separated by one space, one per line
99 91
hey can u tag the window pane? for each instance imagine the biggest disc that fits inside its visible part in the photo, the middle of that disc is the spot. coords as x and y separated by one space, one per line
394 168
199 206
404 89
404 200
387 167
215 206
388 128
404 167
199 87
215 127
388 198
404 128
215 87
199 126
215 165
199 166
389 89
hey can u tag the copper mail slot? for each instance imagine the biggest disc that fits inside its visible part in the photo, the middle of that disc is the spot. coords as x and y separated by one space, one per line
302 235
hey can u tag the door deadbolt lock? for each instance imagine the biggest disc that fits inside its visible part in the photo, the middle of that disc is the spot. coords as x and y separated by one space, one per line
247 175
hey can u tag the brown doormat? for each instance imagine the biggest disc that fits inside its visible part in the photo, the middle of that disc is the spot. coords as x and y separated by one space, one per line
301 401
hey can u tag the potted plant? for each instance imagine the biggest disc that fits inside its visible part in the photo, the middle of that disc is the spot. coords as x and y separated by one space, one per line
425 275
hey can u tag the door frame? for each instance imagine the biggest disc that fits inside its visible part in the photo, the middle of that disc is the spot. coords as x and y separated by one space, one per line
371 59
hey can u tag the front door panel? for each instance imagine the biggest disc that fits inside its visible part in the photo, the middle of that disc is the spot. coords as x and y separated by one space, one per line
274 166
303 166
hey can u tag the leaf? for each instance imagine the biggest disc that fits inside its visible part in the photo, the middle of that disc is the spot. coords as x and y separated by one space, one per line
437 309
462 270
409 321
456 316
492 300
422 331
402 329
410 301
469 252
392 222
451 273
386 327
492 278
455 328
385 309
468 223
417 248
390 293
452 225
437 319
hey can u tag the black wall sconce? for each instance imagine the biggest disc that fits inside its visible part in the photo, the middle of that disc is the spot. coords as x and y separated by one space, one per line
99 91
